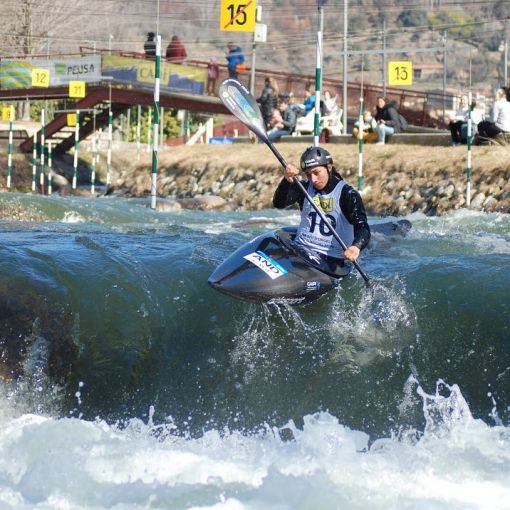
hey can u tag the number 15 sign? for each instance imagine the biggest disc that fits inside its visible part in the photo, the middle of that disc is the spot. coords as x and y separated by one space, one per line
238 15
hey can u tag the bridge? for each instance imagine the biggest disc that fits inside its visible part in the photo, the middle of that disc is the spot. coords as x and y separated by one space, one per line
126 80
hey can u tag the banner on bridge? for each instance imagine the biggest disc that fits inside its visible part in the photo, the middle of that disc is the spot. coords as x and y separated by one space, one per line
141 72
18 73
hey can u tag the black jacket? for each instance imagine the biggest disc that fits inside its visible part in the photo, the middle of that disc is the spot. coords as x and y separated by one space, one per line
287 194
389 114
289 117
268 102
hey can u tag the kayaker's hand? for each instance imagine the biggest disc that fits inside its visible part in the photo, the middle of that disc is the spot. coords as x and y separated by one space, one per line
352 253
290 172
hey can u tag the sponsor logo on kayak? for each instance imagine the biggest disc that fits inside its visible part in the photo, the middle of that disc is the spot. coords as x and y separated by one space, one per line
313 286
267 264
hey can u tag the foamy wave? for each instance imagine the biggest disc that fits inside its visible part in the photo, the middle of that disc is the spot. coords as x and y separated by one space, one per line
457 462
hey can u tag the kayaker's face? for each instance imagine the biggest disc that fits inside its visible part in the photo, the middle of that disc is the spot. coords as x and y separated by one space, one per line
318 176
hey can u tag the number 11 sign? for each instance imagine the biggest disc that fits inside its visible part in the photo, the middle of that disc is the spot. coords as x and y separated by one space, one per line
238 15
400 73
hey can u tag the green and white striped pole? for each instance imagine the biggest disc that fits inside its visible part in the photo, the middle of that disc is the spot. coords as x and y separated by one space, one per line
360 143
109 151
9 148
469 143
318 82
149 132
34 162
361 128
76 142
155 141
50 169
138 126
94 163
43 150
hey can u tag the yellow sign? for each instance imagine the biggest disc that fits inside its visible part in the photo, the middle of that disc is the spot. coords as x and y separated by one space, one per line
71 119
76 89
400 73
238 15
6 113
40 77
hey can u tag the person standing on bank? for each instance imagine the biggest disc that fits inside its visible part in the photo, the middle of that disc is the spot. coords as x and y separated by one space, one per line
340 202
149 46
234 58
388 119
175 51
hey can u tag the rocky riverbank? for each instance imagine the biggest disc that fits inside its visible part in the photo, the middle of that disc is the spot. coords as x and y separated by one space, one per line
397 179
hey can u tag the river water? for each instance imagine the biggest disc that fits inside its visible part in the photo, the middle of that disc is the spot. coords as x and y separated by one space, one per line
129 383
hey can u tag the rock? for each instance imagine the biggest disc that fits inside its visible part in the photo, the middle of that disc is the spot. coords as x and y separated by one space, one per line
489 203
167 205
477 201
203 203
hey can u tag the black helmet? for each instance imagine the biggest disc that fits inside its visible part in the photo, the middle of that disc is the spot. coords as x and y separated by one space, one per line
315 156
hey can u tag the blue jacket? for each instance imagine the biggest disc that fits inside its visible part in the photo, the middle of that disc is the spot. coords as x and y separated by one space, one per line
234 57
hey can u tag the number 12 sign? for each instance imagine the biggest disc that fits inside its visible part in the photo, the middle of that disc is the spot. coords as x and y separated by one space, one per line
400 73
238 15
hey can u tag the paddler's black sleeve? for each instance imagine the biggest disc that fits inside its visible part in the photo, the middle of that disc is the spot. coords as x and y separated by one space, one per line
354 210
287 194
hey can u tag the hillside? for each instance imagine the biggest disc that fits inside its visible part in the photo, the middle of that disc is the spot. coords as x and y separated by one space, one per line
474 32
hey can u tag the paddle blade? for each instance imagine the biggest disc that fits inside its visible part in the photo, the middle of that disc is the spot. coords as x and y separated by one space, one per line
237 98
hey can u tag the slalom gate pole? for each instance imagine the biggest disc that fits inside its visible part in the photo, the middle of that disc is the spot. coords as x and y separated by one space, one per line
109 150
318 82
34 162
50 169
9 148
360 144
138 122
76 142
155 141
94 163
361 128
43 150
149 132
469 143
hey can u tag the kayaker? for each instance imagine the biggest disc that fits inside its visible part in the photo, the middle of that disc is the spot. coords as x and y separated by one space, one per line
340 202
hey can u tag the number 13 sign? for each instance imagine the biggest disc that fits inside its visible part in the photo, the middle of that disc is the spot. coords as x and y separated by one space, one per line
238 15
400 73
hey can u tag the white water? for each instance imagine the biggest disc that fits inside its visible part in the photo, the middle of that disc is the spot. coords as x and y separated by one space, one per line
457 462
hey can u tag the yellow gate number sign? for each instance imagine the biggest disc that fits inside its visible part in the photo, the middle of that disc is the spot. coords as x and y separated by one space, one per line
400 73
71 119
40 77
76 89
6 113
238 15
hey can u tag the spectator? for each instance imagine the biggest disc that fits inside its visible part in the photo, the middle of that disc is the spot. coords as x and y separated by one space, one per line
175 51
330 103
460 117
369 128
309 102
268 99
235 59
476 118
389 121
500 123
149 47
213 71
288 123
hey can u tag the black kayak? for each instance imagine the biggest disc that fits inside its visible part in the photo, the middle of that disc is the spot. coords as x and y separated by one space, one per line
271 268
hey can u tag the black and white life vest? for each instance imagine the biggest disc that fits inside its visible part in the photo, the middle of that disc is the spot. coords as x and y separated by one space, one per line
312 232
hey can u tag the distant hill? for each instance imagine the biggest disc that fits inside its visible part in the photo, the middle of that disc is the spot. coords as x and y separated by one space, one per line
474 31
